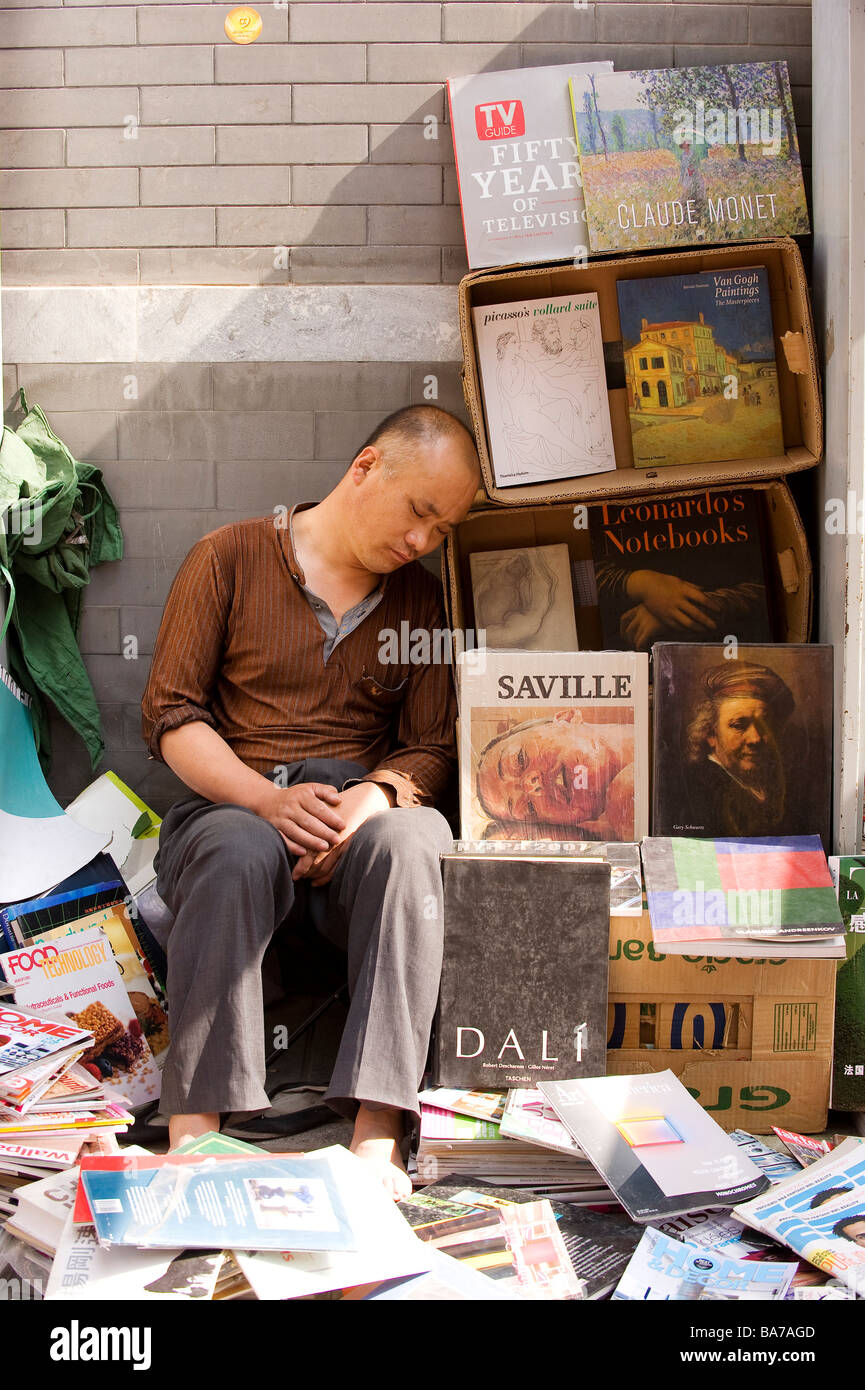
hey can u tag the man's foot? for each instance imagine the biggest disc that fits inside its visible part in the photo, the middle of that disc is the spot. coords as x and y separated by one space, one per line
376 1139
183 1128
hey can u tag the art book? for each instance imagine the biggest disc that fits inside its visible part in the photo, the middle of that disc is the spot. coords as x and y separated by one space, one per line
626 880
553 746
523 598
700 369
663 1269
544 387
743 740
685 568
517 164
848 1077
773 889
678 156
660 1152
29 1042
512 1007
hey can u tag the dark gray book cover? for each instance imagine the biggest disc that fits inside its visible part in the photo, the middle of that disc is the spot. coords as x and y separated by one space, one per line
524 980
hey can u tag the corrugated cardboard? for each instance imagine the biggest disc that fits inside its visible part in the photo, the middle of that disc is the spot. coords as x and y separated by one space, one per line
798 380
499 528
752 1039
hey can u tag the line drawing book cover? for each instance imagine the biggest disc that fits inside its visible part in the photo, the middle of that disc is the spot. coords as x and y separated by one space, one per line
517 164
544 388
679 156
700 367
523 598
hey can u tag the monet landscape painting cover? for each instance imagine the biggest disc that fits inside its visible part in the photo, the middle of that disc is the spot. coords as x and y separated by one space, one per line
676 156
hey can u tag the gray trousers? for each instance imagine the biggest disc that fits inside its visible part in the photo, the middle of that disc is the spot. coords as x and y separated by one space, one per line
225 874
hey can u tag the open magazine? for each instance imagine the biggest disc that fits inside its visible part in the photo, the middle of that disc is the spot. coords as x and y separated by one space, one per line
680 1271
820 1214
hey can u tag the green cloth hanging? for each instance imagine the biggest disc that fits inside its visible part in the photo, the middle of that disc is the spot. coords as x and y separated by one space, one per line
57 521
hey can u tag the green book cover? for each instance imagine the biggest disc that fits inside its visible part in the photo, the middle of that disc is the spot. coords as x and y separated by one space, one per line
848 1080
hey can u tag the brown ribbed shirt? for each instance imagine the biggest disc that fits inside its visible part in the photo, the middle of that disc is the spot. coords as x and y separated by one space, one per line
241 648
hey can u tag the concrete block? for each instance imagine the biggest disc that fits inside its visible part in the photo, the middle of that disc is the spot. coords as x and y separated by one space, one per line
695 23
207 265
286 227
162 534
69 188
380 102
632 55
365 265
100 629
10 382
443 378
291 144
122 581
259 487
554 23
179 226
31 149
410 144
141 623
780 23
228 105
203 24
92 27
451 187
220 186
36 67
436 62
364 23
339 435
61 107
65 267
252 386
431 226
139 67
114 678
158 145
65 323
454 264
122 386
366 184
161 484
216 435
292 62
28 229
90 436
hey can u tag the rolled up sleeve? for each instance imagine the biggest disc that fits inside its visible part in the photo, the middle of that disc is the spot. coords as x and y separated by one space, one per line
188 652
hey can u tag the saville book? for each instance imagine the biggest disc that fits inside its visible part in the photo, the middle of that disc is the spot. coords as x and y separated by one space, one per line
553 746
686 568
660 1152
544 388
520 925
517 164
700 367
679 156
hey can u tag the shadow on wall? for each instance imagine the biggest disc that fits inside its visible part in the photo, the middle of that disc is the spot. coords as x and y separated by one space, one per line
189 446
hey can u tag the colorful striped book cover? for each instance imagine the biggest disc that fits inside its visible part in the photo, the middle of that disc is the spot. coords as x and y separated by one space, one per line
708 890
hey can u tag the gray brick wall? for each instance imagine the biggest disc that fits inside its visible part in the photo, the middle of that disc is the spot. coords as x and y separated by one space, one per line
240 148
141 147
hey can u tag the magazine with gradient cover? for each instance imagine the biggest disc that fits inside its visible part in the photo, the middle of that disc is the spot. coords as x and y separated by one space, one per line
660 1152
524 981
848 1077
684 568
743 739
553 745
679 156
700 369
517 164
544 387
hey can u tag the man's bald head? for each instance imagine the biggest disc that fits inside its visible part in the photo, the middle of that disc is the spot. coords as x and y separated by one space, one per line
422 430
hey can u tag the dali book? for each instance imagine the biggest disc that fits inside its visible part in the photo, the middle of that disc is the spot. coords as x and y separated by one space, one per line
700 368
685 568
680 156
544 387
524 982
656 1147
517 164
553 746
742 743
523 598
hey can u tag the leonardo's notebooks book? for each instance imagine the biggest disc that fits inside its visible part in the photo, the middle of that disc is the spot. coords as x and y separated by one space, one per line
700 368
679 156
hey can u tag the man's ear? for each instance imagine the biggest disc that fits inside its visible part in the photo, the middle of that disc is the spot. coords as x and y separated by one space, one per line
364 462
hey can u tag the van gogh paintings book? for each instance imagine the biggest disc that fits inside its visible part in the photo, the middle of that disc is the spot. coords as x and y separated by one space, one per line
553 746
743 742
660 1152
678 156
544 388
700 367
523 598
517 164
537 930
685 568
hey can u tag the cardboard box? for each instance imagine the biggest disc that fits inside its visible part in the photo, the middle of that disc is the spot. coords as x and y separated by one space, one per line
751 1039
798 380
499 528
